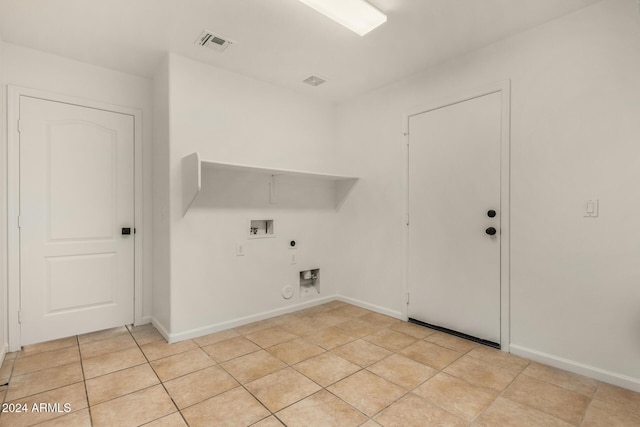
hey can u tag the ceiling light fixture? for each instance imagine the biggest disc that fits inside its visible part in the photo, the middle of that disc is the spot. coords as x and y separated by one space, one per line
357 15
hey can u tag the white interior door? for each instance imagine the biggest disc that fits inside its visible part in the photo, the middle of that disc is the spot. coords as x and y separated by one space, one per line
454 181
76 195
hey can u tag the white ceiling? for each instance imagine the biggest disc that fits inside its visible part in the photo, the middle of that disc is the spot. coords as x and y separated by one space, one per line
278 41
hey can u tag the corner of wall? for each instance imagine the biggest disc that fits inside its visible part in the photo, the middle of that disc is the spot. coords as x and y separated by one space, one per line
160 313
3 208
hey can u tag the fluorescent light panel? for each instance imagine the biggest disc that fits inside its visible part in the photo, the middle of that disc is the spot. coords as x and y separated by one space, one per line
357 15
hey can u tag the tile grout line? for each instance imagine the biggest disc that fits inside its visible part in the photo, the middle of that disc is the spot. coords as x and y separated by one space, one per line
593 397
130 367
439 371
57 388
362 368
159 379
322 388
289 365
411 391
500 395
84 381
239 382
519 373
13 362
523 404
301 373
590 395
584 414
48 390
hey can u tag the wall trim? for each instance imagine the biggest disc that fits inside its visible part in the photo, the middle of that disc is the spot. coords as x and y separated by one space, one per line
578 368
234 323
504 88
145 320
13 203
3 353
378 309
160 328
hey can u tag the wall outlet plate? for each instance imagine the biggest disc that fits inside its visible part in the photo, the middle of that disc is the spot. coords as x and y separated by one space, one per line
591 208
287 292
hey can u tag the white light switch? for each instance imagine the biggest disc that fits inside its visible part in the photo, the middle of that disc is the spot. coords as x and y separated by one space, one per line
591 209
240 249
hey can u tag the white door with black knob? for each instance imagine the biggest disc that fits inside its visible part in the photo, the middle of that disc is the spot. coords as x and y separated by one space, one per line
455 222
76 219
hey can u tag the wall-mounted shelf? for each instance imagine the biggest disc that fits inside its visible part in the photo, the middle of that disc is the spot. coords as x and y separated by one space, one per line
192 180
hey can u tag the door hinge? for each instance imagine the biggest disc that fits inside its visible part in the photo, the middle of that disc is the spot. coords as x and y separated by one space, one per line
407 298
19 316
19 125
406 218
19 221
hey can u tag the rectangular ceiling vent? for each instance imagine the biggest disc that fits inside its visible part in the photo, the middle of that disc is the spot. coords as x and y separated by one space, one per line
213 41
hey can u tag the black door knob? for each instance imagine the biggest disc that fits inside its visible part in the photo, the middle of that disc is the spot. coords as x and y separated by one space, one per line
126 231
491 213
490 231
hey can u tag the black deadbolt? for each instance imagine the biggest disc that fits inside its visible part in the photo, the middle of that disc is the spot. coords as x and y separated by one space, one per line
292 243
490 231
126 230
491 213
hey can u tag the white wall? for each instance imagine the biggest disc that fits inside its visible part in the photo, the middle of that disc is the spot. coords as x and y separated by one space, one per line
575 298
231 118
161 234
3 211
38 70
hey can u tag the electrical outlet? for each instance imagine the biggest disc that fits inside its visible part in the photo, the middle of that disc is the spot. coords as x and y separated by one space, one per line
591 208
293 257
240 249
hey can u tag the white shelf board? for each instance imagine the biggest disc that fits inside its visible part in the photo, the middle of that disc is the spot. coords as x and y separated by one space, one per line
272 171
192 167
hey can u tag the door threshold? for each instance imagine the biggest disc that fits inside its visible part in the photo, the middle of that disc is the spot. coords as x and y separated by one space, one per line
456 333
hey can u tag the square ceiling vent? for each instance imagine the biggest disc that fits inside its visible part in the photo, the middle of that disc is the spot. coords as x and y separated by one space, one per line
314 80
213 41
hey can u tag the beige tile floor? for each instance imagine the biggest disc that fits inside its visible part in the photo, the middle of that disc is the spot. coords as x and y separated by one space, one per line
331 365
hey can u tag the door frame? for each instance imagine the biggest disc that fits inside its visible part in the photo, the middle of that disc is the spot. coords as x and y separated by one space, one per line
13 199
504 88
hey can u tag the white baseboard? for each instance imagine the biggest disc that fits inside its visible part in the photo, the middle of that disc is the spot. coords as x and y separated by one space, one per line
234 323
161 328
372 307
3 352
577 367
144 321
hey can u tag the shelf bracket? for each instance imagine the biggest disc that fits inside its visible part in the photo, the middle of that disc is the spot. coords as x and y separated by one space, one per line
273 189
191 180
